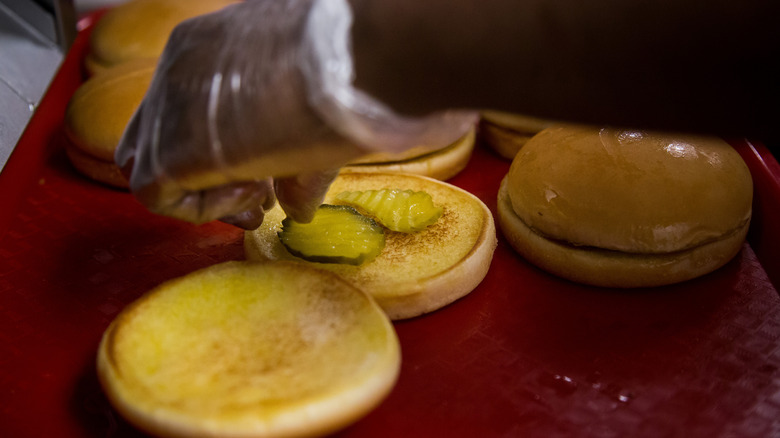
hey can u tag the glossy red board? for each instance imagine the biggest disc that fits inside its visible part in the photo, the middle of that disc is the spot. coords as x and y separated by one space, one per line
525 354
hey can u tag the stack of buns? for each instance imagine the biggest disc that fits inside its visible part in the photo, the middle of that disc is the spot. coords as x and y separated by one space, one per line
623 208
124 46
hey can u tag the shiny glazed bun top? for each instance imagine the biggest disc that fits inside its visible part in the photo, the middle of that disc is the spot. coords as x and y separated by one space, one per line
630 191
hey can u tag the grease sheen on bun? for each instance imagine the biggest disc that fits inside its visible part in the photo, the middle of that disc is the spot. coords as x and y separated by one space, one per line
626 208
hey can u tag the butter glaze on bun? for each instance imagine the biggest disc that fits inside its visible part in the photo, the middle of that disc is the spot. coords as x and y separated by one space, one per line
244 349
625 208
437 162
140 29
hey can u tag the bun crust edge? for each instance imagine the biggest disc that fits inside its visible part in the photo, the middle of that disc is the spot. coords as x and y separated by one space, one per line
608 268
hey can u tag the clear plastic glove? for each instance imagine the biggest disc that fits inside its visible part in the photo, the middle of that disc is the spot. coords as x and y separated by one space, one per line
255 103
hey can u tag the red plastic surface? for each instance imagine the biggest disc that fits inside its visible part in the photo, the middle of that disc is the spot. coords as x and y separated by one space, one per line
525 354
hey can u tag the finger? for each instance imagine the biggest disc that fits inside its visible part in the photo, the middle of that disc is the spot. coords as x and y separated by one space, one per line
241 202
299 196
248 220
252 217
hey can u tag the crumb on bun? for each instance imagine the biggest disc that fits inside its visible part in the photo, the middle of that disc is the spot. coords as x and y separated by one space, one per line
624 208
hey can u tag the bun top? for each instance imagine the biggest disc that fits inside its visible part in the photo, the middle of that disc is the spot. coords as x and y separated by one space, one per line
140 29
100 109
631 191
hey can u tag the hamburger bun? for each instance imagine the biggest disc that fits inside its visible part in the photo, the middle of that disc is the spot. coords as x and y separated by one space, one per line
625 208
249 350
140 29
97 115
415 273
506 132
432 161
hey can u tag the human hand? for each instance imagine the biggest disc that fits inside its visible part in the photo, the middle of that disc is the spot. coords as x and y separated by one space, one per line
254 103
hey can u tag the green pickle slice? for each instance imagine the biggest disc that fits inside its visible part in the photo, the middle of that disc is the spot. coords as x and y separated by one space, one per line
337 234
406 211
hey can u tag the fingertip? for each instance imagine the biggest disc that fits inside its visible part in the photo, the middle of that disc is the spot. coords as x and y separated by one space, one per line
300 195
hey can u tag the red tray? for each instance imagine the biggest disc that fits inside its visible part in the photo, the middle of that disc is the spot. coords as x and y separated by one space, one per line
525 354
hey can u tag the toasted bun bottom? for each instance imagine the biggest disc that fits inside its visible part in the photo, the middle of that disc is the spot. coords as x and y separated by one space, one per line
249 350
106 172
416 273
608 268
439 163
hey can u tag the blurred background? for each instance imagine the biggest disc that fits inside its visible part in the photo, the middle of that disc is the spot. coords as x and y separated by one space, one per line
83 6
34 37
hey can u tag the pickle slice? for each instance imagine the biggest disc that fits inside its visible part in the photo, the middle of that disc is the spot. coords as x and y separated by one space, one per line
399 210
337 234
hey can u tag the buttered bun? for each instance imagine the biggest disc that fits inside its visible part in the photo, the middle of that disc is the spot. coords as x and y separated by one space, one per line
432 161
415 273
625 208
249 350
140 29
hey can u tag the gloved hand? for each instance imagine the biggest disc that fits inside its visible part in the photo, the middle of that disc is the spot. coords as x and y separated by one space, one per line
254 103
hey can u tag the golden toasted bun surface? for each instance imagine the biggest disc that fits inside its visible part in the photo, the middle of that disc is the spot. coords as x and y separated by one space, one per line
140 29
608 268
415 273
629 191
436 162
101 107
250 350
